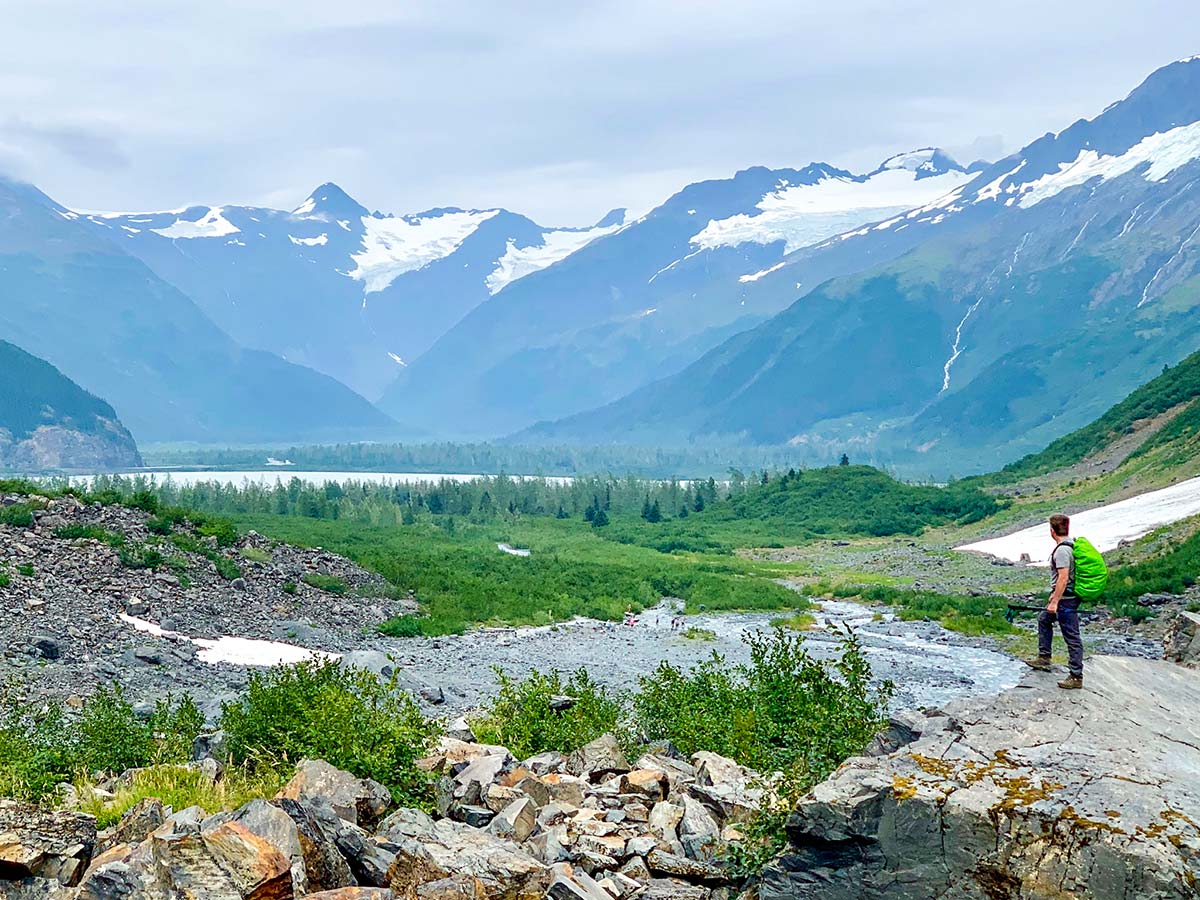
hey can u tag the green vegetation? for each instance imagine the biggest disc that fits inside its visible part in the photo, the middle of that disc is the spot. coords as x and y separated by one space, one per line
289 587
25 569
346 716
533 715
41 748
331 584
403 627
90 532
959 612
255 554
798 622
1176 385
19 515
5 579
700 634
139 557
188 543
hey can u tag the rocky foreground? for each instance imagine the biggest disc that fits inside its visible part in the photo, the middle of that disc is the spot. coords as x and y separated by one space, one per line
1039 793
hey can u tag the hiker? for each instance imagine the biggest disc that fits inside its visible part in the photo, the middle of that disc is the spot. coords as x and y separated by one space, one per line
1063 607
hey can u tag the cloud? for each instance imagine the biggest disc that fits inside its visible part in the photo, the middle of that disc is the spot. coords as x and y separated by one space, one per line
558 110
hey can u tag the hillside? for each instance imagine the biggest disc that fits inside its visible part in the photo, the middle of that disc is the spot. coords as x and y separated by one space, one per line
109 324
49 422
1024 304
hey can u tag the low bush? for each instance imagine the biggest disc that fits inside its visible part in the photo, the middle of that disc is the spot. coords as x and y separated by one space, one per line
343 715
225 566
139 557
255 554
329 583
288 587
403 627
523 717
782 710
25 569
90 532
19 515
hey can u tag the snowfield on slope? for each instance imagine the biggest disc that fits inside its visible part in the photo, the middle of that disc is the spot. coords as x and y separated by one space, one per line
1104 526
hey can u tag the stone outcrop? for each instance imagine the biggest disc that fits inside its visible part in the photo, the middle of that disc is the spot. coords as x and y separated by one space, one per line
1181 644
1039 794
38 843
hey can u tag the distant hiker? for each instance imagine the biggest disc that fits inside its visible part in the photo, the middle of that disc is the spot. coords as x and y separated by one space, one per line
1063 606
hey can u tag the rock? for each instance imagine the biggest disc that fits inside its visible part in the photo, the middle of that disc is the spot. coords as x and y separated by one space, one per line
353 893
662 863
359 801
256 867
679 773
635 867
515 822
456 887
1181 643
272 824
403 823
39 843
732 791
482 771
575 885
673 889
502 871
45 646
1039 793
434 696
324 865
546 763
148 654
597 759
565 789
664 821
136 824
475 816
698 831
650 784
460 730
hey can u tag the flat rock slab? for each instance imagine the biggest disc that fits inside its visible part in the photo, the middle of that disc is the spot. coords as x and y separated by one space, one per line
1038 793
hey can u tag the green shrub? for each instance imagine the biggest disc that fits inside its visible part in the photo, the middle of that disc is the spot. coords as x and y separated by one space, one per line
255 554
784 709
343 715
700 634
25 569
147 501
225 566
5 579
90 532
328 583
521 718
403 627
288 587
139 557
19 515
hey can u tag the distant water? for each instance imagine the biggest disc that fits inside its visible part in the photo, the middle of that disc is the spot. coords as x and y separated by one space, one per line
284 474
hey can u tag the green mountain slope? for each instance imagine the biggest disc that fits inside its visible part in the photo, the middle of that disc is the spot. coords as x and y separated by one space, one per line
49 422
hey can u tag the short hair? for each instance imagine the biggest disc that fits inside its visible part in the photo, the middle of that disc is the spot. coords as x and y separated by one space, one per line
1060 524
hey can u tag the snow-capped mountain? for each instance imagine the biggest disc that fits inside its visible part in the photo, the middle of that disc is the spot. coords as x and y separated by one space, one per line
999 316
649 298
108 323
352 293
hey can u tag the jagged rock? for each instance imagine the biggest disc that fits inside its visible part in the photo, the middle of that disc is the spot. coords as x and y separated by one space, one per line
272 824
570 884
649 784
730 790
673 889
482 770
664 821
135 825
359 801
635 867
515 822
1181 643
460 730
662 863
679 773
545 763
45 646
39 843
699 832
353 893
601 757
566 789
403 823
1042 793
324 865
503 871
214 745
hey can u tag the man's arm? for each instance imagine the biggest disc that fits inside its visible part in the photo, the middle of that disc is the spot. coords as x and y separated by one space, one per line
1060 588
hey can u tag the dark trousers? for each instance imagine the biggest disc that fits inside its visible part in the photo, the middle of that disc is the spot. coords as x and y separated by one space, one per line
1068 621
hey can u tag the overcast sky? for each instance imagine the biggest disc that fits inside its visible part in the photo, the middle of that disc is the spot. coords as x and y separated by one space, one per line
560 110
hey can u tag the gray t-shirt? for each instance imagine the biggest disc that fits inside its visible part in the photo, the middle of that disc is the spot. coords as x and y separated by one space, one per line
1063 557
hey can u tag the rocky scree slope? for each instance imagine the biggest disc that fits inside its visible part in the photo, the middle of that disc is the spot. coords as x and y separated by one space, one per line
62 598
588 826
49 422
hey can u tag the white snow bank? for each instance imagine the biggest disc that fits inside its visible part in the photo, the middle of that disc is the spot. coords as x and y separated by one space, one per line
1163 152
754 276
236 651
806 214
319 240
517 262
511 550
211 224
393 246
1104 526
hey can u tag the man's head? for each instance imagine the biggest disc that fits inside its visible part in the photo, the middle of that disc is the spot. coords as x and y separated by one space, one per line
1060 526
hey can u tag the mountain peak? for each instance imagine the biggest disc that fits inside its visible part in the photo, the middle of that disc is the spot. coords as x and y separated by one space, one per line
331 201
612 217
925 162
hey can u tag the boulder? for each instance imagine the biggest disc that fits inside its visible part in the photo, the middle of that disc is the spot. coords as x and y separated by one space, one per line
39 843
359 801
135 825
503 871
730 790
599 758
648 784
662 863
571 884
403 823
272 824
324 865
1181 643
515 822
699 832
353 893
1037 793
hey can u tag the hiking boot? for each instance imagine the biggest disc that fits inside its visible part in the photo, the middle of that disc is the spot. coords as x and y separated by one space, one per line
1041 663
1071 683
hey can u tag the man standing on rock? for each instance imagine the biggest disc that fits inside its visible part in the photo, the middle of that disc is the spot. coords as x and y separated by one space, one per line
1063 607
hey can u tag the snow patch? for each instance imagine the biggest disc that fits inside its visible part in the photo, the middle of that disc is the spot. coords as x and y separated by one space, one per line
754 276
1104 526
211 224
805 214
511 550
393 246
1161 153
317 241
398 360
236 651
517 262
305 208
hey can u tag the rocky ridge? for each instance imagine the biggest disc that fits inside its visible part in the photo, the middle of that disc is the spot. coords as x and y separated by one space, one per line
60 611
588 826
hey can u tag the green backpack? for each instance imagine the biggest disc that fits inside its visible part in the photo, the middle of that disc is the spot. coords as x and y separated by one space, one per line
1091 574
